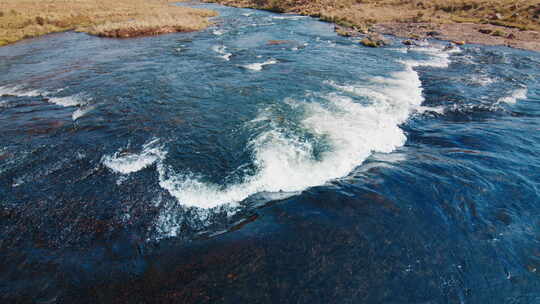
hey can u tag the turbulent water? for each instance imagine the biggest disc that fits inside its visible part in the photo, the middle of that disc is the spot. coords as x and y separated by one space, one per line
266 159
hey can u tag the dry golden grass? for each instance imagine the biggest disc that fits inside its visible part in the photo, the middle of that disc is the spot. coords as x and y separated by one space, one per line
523 14
21 19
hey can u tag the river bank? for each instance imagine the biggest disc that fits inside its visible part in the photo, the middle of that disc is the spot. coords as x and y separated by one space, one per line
118 19
510 23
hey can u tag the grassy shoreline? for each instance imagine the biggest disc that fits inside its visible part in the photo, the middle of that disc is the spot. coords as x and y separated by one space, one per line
21 19
514 23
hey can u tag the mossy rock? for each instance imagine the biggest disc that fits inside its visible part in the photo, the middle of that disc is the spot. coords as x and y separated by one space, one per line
343 32
374 40
369 43
498 33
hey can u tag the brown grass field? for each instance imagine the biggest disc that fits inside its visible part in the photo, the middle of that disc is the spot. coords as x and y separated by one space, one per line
522 14
20 19
517 21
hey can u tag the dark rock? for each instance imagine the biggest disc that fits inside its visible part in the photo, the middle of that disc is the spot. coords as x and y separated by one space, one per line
40 20
449 47
408 42
511 36
485 31
433 33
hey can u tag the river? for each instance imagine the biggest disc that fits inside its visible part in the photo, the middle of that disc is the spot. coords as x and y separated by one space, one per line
267 160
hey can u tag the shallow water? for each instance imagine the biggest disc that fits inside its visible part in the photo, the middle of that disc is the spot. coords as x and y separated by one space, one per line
218 167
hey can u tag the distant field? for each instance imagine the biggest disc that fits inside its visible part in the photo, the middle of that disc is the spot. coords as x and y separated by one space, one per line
522 14
20 19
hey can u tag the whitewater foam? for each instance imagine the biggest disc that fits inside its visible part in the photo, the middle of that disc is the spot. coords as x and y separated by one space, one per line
440 58
20 92
221 49
127 163
514 96
259 66
339 132
286 160
68 101
482 80
80 112
292 17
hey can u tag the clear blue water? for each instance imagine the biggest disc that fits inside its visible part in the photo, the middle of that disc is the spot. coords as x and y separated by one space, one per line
220 166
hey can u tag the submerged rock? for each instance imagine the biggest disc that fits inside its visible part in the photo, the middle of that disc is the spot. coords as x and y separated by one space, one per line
277 42
408 42
449 47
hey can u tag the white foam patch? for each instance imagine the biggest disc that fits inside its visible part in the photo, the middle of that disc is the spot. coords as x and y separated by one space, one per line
80 112
68 101
259 66
293 17
515 96
399 50
222 50
286 162
218 32
483 80
20 92
440 58
127 163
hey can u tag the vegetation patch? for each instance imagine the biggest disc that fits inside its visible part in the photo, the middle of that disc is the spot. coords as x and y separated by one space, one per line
20 19
522 14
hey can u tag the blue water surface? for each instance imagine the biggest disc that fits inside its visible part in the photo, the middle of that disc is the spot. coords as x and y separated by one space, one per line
267 160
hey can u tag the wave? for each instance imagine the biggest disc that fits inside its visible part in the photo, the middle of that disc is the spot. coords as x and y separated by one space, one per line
218 32
221 49
78 100
440 58
68 101
20 92
516 95
482 80
127 163
287 161
80 112
292 17
259 66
